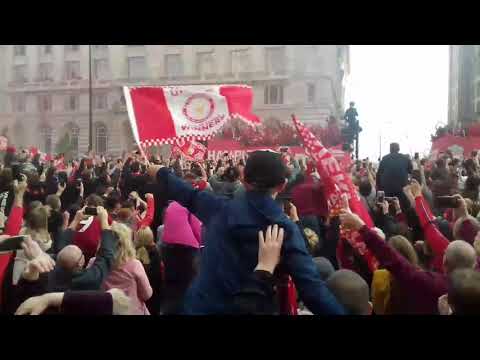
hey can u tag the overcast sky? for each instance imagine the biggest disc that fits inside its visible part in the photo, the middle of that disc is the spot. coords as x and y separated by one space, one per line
400 92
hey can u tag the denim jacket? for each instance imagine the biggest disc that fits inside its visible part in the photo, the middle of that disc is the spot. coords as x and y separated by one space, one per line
231 249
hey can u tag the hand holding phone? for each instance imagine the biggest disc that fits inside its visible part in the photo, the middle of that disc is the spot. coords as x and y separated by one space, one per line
92 211
380 197
12 243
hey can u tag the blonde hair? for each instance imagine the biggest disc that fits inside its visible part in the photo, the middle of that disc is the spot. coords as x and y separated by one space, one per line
37 227
405 248
125 249
312 238
144 239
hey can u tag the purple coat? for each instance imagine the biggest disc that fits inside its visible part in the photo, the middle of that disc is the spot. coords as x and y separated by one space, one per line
421 288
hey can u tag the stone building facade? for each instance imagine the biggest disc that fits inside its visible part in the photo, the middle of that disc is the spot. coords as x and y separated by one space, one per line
44 89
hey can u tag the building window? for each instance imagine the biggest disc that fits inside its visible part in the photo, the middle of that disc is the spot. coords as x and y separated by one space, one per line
312 60
100 101
45 103
19 50
173 65
240 61
205 63
72 70
101 138
46 135
19 133
46 49
100 69
19 103
72 103
273 94
74 132
72 48
275 60
45 71
137 67
20 73
310 93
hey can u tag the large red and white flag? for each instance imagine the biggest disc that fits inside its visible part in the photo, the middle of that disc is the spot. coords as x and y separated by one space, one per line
336 183
162 114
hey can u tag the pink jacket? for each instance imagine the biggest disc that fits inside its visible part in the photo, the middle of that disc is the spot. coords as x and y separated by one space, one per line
132 279
181 227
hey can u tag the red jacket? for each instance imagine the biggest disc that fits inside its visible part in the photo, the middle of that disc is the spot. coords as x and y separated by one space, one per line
12 228
89 239
148 219
309 199
435 239
14 221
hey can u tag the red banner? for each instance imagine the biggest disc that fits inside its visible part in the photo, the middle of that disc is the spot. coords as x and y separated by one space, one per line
460 147
337 183
192 150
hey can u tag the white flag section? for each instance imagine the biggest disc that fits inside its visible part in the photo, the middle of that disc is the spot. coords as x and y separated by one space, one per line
196 109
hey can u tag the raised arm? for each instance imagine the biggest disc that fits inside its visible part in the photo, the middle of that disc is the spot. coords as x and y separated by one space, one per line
15 219
148 219
404 272
202 204
435 239
312 289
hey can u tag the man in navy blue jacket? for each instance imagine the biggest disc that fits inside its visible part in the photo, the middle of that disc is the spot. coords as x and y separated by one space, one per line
231 239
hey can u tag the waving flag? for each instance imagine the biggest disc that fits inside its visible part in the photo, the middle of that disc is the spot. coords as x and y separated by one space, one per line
192 150
163 114
337 182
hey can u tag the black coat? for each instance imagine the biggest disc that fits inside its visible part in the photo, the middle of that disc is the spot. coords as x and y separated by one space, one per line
393 172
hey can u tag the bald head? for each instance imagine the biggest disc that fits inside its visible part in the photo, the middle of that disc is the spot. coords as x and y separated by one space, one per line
70 258
459 255
464 292
351 291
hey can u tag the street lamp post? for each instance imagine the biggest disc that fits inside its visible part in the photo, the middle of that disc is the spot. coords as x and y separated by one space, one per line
90 113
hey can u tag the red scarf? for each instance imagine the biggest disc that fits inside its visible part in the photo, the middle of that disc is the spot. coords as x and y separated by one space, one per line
336 183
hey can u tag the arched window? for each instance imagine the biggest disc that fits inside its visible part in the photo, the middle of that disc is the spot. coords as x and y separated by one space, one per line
74 133
101 138
46 135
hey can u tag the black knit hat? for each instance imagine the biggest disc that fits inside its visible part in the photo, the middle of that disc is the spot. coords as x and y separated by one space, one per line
265 170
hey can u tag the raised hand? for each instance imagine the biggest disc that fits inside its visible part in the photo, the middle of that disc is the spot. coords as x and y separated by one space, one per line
350 220
31 248
269 248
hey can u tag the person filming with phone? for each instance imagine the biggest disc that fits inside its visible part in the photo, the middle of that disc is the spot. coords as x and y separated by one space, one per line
69 272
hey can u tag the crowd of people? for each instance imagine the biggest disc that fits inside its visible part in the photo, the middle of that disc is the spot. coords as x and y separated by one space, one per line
252 236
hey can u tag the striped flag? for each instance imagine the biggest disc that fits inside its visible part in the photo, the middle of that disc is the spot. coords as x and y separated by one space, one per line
336 183
162 114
